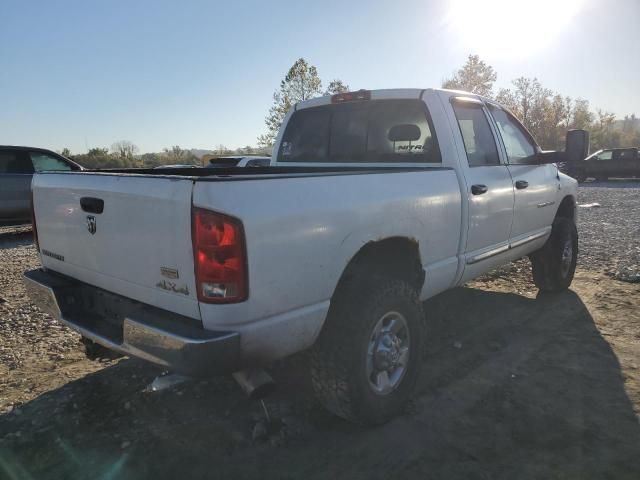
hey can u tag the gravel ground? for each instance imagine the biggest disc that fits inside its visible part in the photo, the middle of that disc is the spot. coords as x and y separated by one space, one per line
516 385
610 234
22 323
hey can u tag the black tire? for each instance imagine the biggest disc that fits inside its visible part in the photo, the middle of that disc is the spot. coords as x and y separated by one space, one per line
95 351
581 177
553 266
340 358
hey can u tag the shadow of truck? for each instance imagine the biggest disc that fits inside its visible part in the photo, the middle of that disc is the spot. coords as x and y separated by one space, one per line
512 387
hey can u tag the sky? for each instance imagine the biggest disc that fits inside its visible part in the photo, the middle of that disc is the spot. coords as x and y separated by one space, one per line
83 74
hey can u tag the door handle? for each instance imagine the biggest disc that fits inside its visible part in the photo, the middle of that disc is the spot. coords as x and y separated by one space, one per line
520 184
92 205
479 189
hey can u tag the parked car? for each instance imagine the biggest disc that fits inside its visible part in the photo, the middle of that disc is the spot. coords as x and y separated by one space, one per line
610 162
376 201
240 161
17 166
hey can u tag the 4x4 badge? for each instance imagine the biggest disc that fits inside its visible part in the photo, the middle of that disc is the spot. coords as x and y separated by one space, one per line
91 224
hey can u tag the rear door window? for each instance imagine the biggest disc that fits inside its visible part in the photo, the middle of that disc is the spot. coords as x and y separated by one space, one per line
400 131
348 135
395 131
307 137
624 154
14 162
479 142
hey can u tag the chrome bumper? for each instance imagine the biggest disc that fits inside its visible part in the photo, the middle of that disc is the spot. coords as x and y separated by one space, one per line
176 342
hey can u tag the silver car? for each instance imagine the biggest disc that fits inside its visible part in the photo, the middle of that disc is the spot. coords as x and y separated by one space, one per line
17 165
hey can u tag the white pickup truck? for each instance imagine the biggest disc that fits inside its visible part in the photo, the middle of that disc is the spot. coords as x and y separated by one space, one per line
374 201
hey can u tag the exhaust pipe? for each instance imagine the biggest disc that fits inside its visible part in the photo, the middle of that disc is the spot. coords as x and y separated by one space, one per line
256 383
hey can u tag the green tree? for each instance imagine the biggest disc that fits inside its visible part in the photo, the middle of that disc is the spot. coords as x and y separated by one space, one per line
175 154
336 86
581 115
475 76
66 152
603 132
98 158
630 136
555 115
301 83
152 159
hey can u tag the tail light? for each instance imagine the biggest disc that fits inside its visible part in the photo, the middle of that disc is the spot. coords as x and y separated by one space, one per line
34 228
220 257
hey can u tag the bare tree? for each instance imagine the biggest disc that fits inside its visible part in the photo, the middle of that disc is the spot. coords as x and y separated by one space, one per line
175 154
124 149
222 150
529 101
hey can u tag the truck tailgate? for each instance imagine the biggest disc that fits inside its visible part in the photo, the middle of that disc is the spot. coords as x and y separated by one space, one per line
129 235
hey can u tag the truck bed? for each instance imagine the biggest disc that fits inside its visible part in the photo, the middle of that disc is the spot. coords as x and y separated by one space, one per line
217 174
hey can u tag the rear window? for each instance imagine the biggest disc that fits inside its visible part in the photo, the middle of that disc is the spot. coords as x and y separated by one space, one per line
624 154
224 162
42 162
14 162
377 131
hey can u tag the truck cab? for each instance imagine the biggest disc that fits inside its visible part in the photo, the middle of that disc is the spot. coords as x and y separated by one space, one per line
17 166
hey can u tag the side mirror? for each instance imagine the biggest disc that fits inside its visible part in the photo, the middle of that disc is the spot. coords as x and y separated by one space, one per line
551 156
576 145
406 132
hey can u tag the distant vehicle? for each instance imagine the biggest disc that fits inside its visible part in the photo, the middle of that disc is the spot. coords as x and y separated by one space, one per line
240 161
610 162
178 165
17 165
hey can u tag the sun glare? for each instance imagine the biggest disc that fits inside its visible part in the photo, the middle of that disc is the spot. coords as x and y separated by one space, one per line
510 28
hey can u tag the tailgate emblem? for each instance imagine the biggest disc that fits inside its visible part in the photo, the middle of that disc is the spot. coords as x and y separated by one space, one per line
169 272
91 224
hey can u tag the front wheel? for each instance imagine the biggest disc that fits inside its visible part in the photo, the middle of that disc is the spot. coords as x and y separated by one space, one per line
554 265
365 363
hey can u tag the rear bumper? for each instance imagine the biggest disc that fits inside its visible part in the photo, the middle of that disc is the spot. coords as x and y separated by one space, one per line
176 342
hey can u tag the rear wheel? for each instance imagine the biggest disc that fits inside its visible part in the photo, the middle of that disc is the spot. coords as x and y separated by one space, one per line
554 265
581 177
365 363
